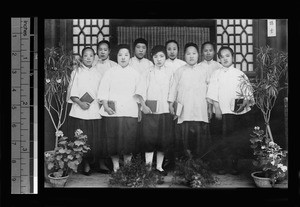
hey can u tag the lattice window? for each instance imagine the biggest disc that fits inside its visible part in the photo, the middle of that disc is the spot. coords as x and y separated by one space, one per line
238 34
88 32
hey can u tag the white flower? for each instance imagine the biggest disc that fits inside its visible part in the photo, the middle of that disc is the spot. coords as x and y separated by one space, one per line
283 168
59 133
47 154
47 80
263 147
273 162
58 80
271 143
78 132
256 128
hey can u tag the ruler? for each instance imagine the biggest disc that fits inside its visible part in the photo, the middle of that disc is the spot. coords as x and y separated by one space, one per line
24 105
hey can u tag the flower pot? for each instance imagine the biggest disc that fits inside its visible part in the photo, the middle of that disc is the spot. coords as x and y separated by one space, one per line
261 181
58 182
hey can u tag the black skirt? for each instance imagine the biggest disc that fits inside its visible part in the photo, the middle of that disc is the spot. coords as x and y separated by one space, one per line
156 132
94 129
121 135
195 136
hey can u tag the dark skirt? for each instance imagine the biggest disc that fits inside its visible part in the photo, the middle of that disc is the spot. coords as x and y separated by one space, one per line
94 129
121 135
156 132
195 136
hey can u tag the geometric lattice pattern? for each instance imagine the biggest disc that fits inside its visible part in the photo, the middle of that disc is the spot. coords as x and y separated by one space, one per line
88 32
237 34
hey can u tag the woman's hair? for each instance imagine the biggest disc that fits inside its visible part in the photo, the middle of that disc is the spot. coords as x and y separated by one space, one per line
208 43
103 42
169 41
86 48
123 46
158 48
189 45
140 40
225 48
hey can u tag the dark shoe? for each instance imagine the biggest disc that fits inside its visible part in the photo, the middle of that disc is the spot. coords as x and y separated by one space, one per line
104 171
88 173
163 173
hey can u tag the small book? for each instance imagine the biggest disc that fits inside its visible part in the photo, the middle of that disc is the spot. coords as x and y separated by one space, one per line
152 104
177 108
86 98
237 103
112 105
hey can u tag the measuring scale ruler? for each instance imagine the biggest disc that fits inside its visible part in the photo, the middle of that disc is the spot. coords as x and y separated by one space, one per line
24 105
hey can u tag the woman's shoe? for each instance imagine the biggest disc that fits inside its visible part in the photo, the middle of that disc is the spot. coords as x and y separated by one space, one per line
88 173
163 173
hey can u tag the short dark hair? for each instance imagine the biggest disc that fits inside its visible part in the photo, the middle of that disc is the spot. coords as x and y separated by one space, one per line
123 46
225 48
189 45
208 43
140 40
158 48
103 42
86 48
169 41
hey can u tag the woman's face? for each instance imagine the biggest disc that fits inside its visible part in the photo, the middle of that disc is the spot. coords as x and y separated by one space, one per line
191 55
123 57
88 57
103 51
140 50
208 52
172 50
159 59
226 58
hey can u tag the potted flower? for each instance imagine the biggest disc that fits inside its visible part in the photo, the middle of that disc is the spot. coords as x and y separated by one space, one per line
270 158
58 65
66 157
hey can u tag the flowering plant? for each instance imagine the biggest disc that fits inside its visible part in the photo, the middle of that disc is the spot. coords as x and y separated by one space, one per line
68 154
269 156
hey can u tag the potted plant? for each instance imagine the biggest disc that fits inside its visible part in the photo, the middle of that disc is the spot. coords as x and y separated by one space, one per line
193 172
270 158
58 65
66 157
135 174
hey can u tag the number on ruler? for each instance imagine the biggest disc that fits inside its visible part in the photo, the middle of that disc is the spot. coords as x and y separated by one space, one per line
24 103
14 90
14 179
14 54
13 107
13 125
14 72
24 149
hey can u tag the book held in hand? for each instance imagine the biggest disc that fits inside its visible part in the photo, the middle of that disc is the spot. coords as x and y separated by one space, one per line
112 105
152 104
237 103
86 98
177 108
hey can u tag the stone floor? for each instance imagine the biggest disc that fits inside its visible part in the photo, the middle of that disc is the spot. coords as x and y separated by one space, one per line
98 180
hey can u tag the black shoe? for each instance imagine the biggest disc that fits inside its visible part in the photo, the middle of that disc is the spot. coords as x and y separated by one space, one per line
104 171
163 173
88 173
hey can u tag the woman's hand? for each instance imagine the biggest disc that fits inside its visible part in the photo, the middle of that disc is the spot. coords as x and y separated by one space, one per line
146 109
171 108
84 105
109 110
242 107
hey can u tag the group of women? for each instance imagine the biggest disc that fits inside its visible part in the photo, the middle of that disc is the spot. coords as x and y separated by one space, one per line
159 108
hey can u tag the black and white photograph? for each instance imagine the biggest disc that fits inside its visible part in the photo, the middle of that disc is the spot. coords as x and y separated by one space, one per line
166 103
